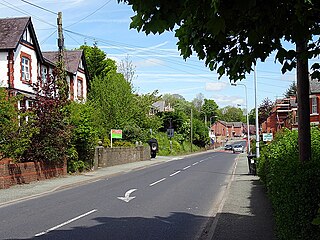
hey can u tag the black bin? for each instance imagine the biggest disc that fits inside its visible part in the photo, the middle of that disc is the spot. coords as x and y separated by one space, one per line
252 164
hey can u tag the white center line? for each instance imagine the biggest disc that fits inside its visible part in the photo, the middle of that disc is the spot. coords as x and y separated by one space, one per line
185 168
201 160
175 173
157 182
195 163
65 223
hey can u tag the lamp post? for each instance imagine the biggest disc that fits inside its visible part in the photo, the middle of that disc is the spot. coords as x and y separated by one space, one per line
248 125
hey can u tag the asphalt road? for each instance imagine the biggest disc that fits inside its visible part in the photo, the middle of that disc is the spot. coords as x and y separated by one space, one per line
174 200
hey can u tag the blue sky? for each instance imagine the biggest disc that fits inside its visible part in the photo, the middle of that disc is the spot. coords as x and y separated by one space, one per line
156 58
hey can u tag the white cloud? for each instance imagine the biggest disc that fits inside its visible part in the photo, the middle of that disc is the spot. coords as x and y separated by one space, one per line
150 62
215 86
228 100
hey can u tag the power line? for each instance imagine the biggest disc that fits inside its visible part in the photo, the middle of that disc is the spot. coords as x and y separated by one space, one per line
48 37
45 9
11 6
89 14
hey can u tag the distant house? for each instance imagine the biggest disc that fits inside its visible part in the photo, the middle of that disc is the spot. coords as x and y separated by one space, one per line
222 130
160 106
283 114
285 111
22 63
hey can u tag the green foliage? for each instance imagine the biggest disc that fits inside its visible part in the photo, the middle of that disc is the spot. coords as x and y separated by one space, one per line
232 114
51 118
291 185
84 135
179 145
97 62
231 36
112 99
209 108
15 138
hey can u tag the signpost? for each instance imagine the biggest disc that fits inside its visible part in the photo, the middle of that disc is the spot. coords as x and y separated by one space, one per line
116 133
267 137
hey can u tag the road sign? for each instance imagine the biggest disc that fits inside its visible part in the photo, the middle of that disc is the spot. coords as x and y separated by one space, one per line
170 132
267 137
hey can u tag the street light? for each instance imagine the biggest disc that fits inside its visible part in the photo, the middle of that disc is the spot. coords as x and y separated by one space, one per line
248 126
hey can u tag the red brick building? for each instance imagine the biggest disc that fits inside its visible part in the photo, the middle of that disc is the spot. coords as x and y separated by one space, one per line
222 130
284 112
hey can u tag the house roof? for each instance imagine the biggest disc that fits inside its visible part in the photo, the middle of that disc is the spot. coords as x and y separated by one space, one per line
11 32
72 59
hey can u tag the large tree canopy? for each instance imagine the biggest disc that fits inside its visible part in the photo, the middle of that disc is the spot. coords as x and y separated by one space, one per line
231 36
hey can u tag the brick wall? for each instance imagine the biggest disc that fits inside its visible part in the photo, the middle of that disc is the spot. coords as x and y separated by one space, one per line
19 173
106 157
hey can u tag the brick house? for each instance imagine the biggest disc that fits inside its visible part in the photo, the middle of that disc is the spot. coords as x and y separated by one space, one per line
284 112
222 130
22 63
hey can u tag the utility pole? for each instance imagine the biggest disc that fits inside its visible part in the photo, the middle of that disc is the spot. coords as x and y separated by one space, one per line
191 134
60 37
257 114
61 73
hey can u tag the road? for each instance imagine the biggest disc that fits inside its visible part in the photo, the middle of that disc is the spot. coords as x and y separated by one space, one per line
171 201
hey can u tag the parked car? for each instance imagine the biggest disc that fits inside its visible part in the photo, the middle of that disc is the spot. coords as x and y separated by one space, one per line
228 147
238 148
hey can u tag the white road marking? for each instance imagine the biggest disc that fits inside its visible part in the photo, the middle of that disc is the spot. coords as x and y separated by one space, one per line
201 160
195 163
157 182
127 197
185 168
65 223
171 175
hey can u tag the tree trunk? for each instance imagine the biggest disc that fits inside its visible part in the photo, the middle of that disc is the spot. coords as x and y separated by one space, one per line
303 103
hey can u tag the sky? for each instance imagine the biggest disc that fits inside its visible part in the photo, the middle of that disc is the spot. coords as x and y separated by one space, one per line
157 61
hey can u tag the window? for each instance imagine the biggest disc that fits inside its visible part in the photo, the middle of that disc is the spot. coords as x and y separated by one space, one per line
44 74
79 88
314 107
25 68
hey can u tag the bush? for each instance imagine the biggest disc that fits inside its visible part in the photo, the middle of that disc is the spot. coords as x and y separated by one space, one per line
292 186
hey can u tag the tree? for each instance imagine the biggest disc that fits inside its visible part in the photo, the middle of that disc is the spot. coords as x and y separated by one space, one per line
291 91
264 109
112 99
232 114
198 101
127 69
231 36
209 109
97 62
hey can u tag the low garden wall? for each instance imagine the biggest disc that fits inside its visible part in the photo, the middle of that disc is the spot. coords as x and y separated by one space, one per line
106 157
18 173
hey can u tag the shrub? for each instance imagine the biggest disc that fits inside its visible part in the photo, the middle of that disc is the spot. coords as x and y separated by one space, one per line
292 186
84 136
15 135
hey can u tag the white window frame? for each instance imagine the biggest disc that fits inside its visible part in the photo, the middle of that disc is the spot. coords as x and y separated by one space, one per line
25 68
44 74
314 105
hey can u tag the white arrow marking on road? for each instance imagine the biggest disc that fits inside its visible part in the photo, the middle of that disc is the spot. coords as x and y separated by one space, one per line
127 197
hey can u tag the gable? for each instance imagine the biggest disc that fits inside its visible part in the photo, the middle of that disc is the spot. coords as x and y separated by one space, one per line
14 31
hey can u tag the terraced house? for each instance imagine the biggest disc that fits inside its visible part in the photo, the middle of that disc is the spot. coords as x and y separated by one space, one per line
22 63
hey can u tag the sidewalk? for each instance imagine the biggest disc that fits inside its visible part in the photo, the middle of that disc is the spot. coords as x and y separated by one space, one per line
245 212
